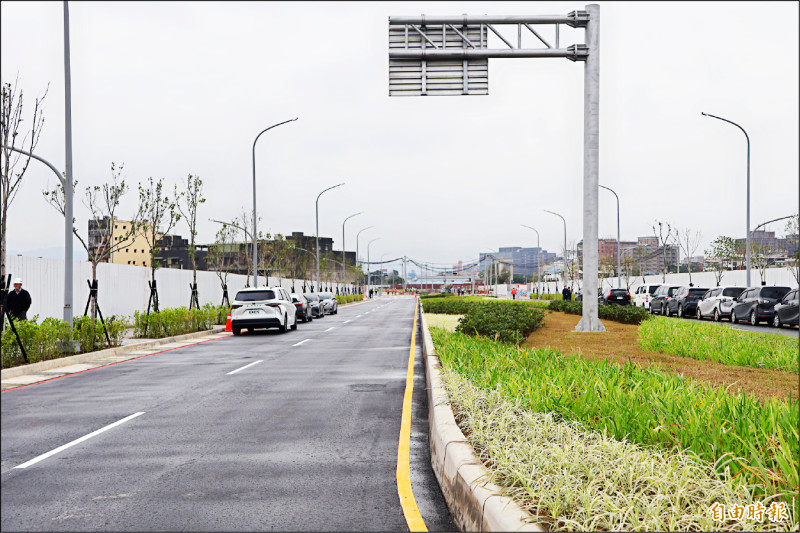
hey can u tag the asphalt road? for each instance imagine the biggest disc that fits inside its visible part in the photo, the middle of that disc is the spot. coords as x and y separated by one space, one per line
295 431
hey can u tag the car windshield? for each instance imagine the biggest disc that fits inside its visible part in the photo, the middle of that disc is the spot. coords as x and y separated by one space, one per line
619 292
311 297
733 291
252 296
774 292
653 289
325 295
698 292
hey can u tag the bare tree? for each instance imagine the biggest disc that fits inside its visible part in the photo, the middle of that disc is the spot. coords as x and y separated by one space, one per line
665 234
159 215
640 256
102 201
15 164
689 241
792 245
186 203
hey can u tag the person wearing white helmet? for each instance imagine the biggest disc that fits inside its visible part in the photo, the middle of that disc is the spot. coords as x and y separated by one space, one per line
18 301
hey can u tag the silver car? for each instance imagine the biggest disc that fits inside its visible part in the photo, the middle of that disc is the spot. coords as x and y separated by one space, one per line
328 303
263 307
717 303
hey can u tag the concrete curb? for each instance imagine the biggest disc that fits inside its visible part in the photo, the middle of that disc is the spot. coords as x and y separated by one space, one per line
41 366
475 504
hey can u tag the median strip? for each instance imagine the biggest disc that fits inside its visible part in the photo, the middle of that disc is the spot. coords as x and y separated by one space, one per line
77 441
245 366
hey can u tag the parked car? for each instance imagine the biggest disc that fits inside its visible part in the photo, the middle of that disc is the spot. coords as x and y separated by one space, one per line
644 294
328 303
660 298
303 308
263 307
684 303
717 303
579 296
757 303
786 310
617 297
314 304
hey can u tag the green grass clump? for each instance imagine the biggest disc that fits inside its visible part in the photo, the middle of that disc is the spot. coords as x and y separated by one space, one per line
626 314
717 342
574 479
501 322
349 298
179 320
757 442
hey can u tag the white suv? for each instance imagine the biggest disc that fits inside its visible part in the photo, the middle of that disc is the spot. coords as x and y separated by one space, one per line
644 294
263 307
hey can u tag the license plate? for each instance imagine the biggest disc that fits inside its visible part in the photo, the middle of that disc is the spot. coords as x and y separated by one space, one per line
253 312
618 297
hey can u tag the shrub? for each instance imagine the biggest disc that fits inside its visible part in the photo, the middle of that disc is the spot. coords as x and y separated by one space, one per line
348 298
719 343
447 306
179 320
500 321
48 340
551 297
626 314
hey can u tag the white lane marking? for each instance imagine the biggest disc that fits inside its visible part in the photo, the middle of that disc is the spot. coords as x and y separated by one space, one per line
245 366
301 342
78 441
345 322
359 316
327 330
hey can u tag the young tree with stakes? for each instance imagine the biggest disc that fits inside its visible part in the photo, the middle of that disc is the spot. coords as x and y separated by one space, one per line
159 215
100 243
186 202
219 258
792 246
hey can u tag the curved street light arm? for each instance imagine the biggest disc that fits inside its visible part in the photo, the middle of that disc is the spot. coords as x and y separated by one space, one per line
255 232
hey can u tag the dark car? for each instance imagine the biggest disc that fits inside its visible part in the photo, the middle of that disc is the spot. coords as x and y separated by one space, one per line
314 305
757 303
303 308
684 303
617 297
786 310
660 298
328 303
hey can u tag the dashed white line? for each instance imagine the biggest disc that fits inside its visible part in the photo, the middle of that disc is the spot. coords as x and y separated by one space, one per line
245 366
78 441
301 342
329 329
345 322
359 316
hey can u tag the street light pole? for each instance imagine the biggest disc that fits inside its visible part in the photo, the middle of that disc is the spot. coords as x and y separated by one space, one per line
255 232
357 236
538 258
317 217
344 261
565 245
748 187
369 274
619 270
68 201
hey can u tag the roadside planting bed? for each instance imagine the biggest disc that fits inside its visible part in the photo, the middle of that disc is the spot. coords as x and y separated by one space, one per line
718 342
597 445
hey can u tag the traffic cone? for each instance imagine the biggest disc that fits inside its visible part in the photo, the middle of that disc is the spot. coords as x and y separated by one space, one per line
228 324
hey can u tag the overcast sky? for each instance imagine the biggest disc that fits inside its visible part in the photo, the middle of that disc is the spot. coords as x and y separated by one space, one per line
170 89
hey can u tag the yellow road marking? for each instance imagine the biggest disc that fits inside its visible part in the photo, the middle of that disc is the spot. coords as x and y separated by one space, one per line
407 501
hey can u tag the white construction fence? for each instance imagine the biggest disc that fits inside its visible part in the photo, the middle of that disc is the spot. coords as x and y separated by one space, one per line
123 289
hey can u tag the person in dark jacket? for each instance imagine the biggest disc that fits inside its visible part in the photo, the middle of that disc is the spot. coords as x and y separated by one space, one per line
566 294
18 301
